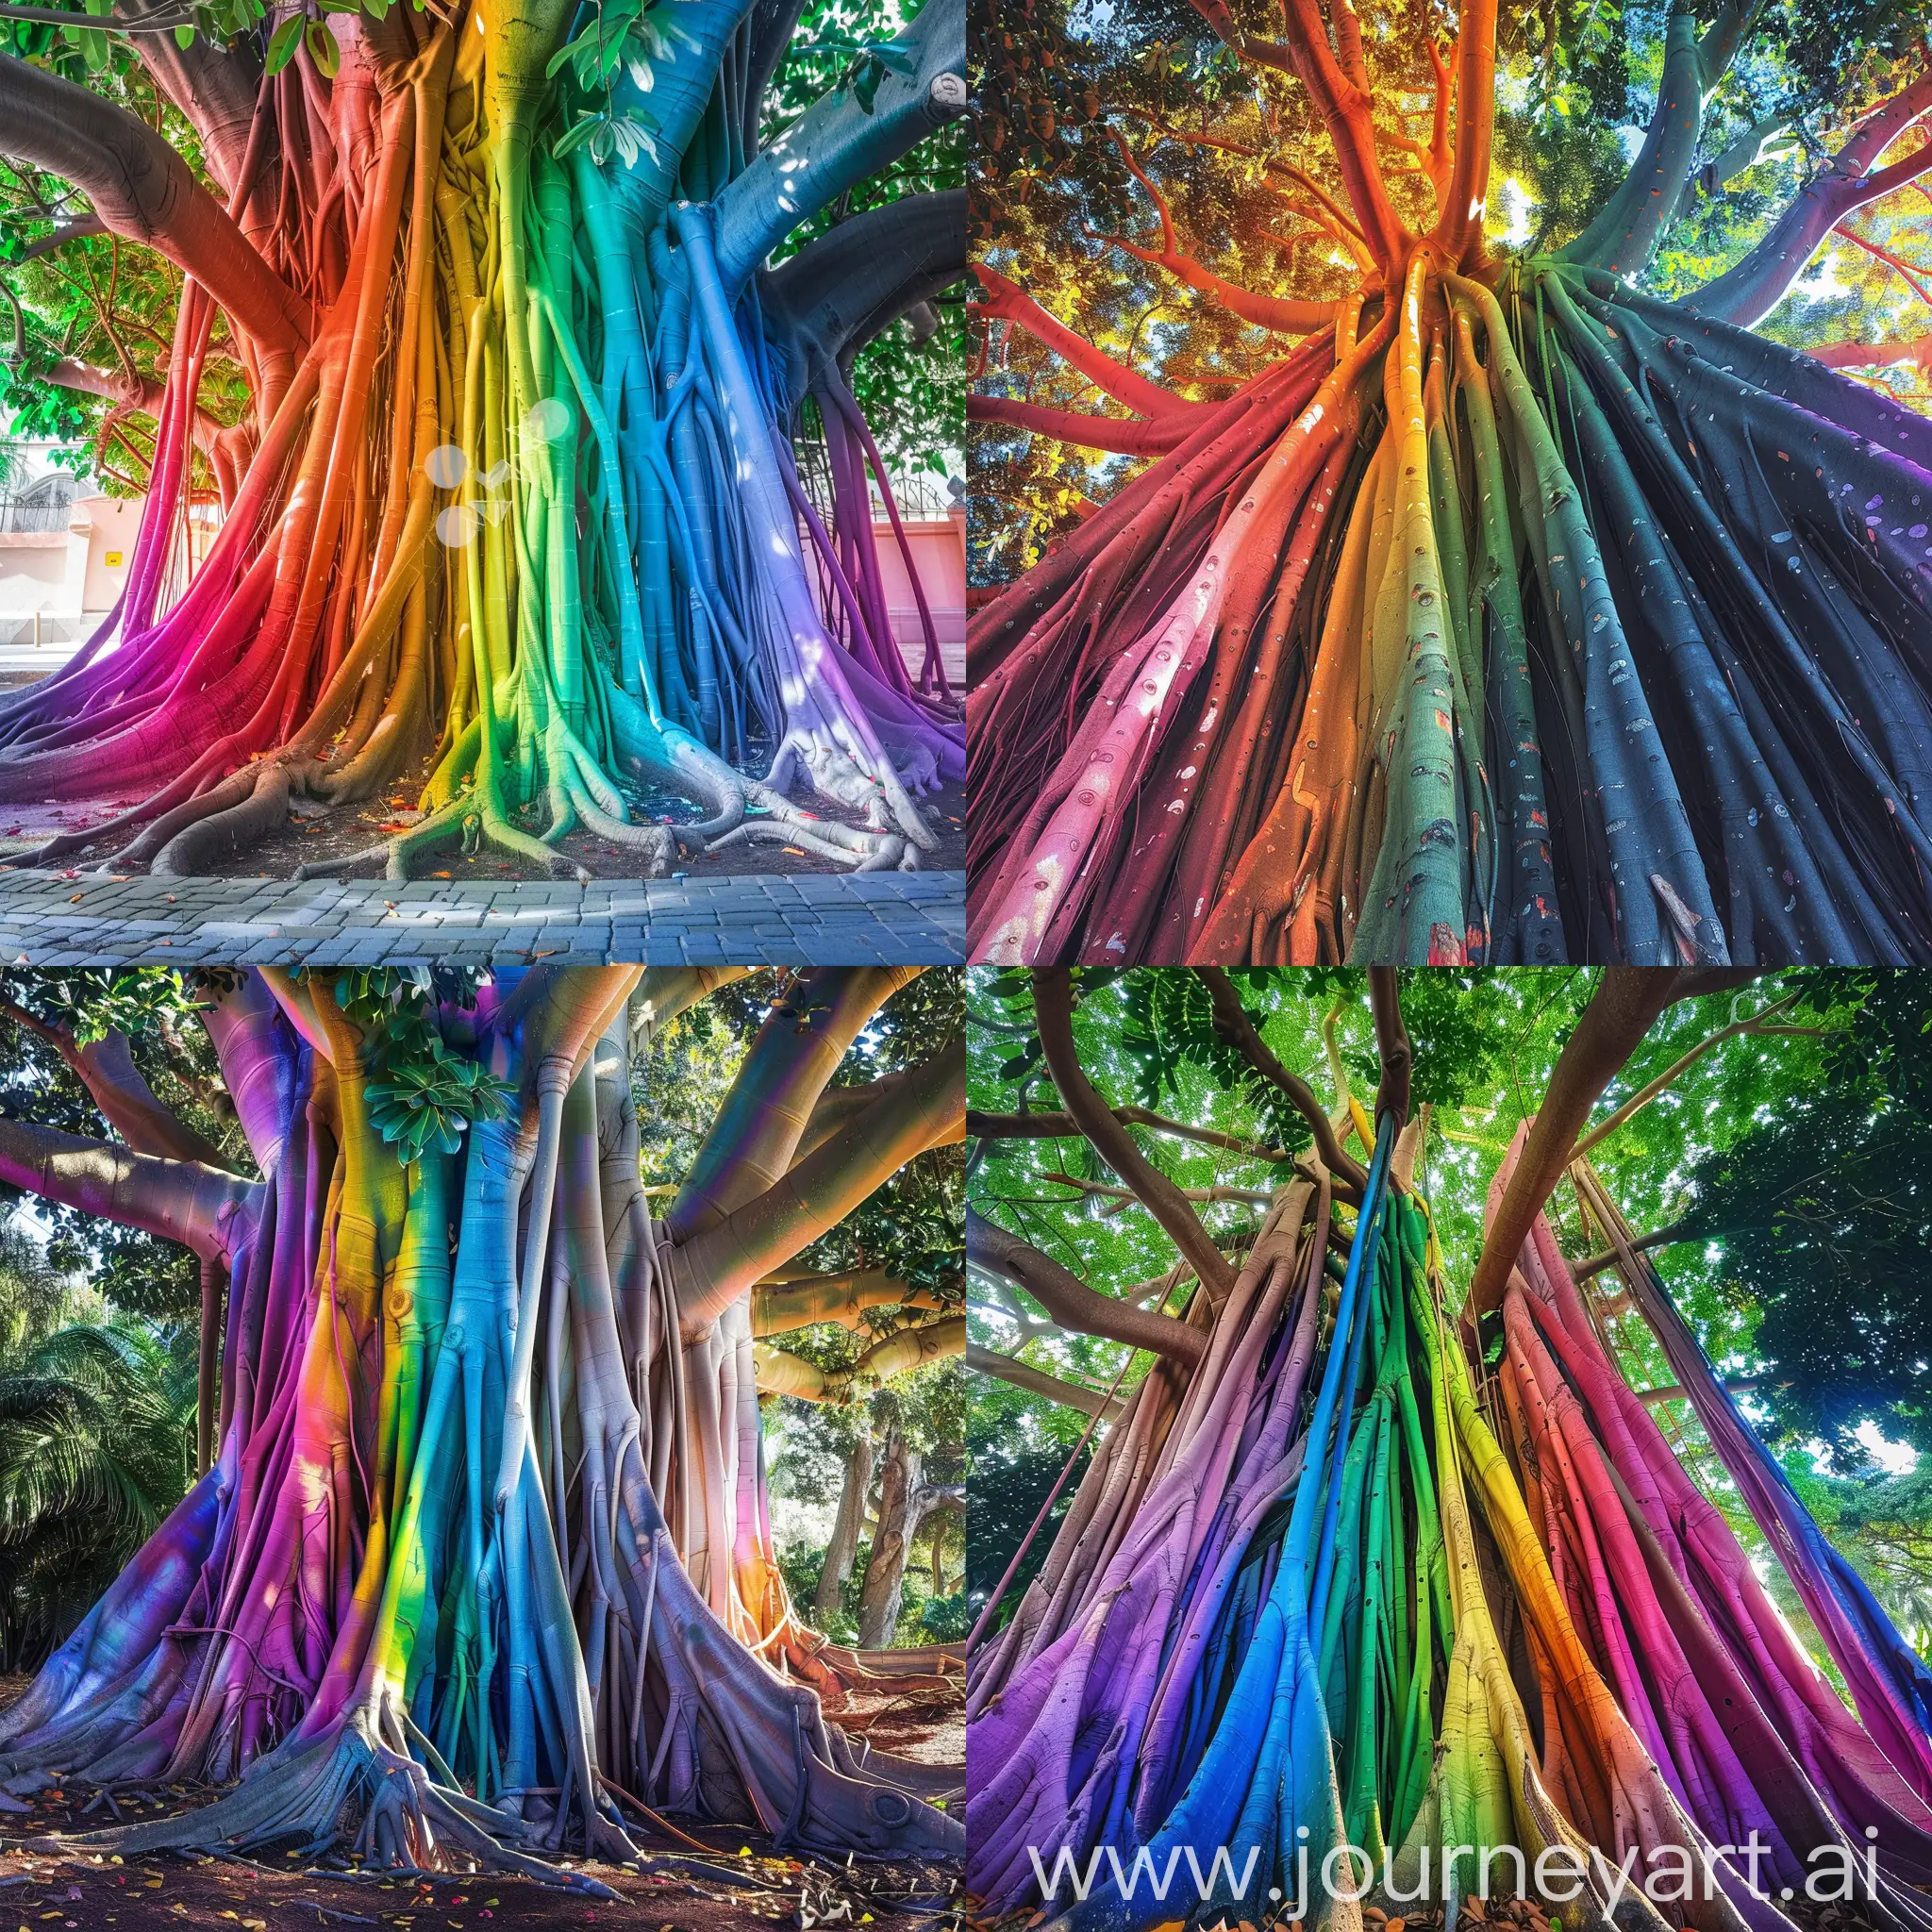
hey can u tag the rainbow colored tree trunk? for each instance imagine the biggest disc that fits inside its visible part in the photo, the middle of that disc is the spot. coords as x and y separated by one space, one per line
1513 616
518 486
485 1548
1326 1585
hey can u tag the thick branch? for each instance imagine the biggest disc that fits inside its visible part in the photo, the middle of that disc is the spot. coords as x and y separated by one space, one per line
780 1374
1876 354
1059 1127
1459 228
1392 1044
1347 112
1053 1007
105 1068
1748 292
1122 436
838 291
1070 1301
1232 1024
214 85
1034 1381
1621 1010
182 1200
1625 234
136 392
1011 303
143 190
744 1248
836 144
845 1298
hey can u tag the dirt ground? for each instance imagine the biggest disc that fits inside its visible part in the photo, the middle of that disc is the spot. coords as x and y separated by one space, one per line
736 1881
313 834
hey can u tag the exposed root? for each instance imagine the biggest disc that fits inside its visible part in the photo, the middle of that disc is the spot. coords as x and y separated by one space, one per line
352 1789
888 851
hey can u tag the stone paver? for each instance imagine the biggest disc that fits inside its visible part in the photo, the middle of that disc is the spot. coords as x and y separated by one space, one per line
81 918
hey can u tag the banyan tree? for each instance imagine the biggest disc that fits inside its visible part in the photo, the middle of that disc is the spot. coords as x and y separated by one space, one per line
479 1568
1465 582
1368 1555
510 494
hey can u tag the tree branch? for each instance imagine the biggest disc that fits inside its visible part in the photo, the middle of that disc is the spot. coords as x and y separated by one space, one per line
730 1256
133 392
1625 233
782 1307
779 1373
1876 354
1036 1382
1459 227
1392 1046
1759 1022
1266 311
838 291
1010 303
1623 1009
1059 1127
1232 1024
1748 292
1070 1301
1121 436
143 190
181 1200
836 144
1053 1009
1347 113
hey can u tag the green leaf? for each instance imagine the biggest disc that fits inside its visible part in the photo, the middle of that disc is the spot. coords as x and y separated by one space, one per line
575 139
281 50
322 50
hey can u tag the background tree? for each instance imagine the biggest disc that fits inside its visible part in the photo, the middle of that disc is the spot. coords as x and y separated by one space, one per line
463 1357
1259 293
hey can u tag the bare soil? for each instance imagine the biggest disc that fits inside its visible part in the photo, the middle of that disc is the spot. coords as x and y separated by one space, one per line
312 835
736 1881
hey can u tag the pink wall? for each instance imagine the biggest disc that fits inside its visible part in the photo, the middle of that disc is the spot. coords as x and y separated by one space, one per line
939 549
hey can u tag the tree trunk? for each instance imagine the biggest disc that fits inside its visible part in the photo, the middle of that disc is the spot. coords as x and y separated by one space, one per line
1668 715
208 1383
654 609
844 1544
1270 1621
494 1511
892 1542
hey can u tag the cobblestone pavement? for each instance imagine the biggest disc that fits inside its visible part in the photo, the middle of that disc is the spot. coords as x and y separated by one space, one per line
86 919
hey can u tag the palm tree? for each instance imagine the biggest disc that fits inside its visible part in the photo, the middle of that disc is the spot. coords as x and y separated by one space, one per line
96 1446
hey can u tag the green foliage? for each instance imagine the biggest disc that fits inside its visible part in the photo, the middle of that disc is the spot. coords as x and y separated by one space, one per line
96 1446
1014 1470
622 37
1823 1214
136 1272
912 391
946 1619
868 62
421 1094
418 1103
